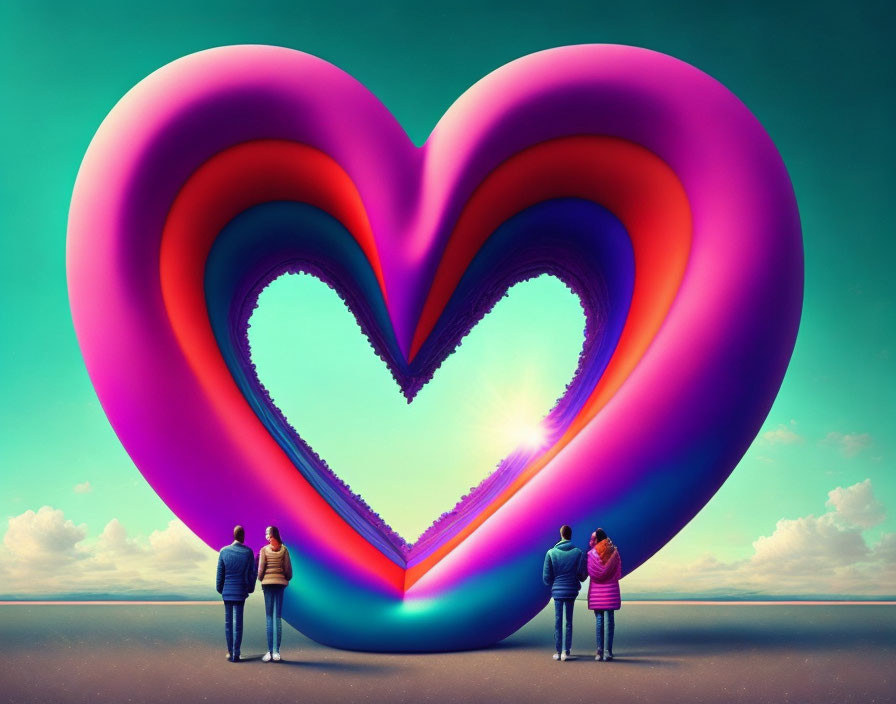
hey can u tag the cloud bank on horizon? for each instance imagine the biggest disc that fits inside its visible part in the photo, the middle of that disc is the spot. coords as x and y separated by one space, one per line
828 554
45 555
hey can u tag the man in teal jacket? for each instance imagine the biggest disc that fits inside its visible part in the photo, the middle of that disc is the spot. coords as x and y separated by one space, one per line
235 581
565 568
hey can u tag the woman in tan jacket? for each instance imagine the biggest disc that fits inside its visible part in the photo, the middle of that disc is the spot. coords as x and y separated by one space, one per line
274 573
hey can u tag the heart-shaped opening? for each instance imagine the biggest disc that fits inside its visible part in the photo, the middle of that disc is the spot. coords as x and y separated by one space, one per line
414 461
577 241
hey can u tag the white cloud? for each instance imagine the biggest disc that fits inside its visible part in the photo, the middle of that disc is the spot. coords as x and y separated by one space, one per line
826 554
114 541
850 444
176 548
885 550
856 505
44 554
82 488
43 537
798 546
783 435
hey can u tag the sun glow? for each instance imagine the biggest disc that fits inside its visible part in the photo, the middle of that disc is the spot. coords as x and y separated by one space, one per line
516 421
523 433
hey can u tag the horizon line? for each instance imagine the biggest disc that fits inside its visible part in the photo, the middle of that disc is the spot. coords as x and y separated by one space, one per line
647 602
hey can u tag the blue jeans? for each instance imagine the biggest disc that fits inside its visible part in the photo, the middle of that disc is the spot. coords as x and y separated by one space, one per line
273 609
233 626
611 627
558 622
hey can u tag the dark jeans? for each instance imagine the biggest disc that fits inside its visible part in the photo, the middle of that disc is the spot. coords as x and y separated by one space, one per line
273 609
233 626
558 622
611 627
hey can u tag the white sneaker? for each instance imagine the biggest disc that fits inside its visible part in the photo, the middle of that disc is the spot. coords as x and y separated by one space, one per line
564 657
276 657
228 656
266 657
556 656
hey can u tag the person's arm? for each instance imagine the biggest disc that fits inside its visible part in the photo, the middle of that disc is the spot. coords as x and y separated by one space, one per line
287 564
262 564
547 573
582 572
219 580
250 574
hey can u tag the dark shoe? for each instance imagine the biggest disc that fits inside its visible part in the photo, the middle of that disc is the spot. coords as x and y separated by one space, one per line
609 657
235 658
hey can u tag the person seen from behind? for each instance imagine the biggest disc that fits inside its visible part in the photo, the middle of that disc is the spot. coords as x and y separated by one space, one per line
274 573
235 581
605 570
564 570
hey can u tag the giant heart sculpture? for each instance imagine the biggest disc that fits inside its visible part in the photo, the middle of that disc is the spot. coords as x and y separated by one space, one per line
641 182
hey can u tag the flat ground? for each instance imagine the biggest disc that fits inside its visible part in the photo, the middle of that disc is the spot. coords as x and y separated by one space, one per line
666 653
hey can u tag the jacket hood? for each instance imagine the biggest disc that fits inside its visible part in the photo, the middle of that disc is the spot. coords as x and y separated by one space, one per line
565 545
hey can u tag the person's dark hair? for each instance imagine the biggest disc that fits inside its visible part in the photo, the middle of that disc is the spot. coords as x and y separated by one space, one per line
565 532
275 533
238 533
599 534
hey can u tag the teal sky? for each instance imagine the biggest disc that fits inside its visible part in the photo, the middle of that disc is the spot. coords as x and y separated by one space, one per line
820 79
412 462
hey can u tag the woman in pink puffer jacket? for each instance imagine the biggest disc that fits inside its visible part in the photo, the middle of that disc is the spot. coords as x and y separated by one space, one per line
605 569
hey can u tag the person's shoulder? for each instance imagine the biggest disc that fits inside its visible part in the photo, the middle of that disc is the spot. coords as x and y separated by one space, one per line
238 549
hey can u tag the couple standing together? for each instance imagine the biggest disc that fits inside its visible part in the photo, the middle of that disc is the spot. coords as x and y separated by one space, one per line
237 571
565 567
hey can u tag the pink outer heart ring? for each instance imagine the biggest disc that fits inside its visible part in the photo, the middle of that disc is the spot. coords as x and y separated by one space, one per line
686 402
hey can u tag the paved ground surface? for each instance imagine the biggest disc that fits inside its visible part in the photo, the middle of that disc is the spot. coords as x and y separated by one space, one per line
666 653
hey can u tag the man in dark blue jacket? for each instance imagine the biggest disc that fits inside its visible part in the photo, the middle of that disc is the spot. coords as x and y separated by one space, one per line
565 568
236 580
